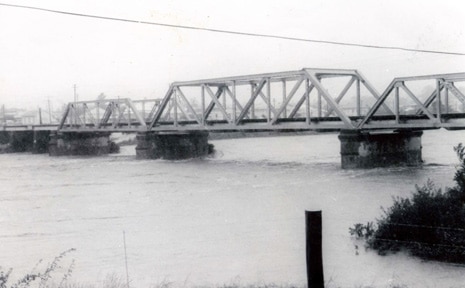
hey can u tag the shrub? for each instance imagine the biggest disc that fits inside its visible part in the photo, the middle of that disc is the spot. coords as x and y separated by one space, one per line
430 224
40 279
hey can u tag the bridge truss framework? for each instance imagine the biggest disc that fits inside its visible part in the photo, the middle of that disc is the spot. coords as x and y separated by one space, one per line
307 99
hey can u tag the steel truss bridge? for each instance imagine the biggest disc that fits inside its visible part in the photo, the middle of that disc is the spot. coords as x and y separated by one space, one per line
307 99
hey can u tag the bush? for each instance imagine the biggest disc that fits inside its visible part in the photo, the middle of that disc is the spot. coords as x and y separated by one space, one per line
39 279
430 224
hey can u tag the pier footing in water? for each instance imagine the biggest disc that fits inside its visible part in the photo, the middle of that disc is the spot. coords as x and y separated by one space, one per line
172 146
82 143
370 150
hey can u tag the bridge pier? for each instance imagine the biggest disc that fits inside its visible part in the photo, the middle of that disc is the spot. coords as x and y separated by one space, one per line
80 143
16 141
40 141
370 150
172 146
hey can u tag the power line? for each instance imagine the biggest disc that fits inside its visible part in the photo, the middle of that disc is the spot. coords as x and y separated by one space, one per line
237 32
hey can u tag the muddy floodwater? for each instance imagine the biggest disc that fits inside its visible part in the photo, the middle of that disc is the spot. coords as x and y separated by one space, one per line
234 218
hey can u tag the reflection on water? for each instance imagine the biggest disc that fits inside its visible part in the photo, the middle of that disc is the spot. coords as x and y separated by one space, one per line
235 217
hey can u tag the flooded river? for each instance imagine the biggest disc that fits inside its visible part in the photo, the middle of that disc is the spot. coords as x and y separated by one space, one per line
234 218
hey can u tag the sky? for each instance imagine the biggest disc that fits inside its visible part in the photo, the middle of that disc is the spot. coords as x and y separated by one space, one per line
43 55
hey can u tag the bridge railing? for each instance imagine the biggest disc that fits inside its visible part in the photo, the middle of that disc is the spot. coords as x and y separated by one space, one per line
421 102
306 99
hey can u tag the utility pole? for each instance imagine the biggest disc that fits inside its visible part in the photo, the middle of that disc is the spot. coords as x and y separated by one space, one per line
49 111
75 103
3 113
75 94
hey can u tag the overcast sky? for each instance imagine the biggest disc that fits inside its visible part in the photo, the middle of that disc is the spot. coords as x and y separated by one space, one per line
43 54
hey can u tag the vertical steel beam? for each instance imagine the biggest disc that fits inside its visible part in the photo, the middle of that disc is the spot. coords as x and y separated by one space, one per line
252 107
438 98
225 107
84 106
143 110
97 106
175 106
319 99
129 116
202 92
284 99
268 100
396 104
113 110
234 102
446 99
358 98
307 101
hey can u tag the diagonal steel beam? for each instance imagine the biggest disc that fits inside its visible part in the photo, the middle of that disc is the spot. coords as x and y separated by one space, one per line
300 102
136 113
341 95
430 99
251 100
457 93
170 107
288 99
212 104
92 119
378 104
120 116
272 108
415 99
238 105
64 117
162 107
179 106
215 98
189 107
372 90
330 101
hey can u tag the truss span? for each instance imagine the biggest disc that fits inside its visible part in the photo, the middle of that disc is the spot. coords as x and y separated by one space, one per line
307 99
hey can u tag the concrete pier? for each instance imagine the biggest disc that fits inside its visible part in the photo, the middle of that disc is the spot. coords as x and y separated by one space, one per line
82 143
370 150
172 146
16 141
40 141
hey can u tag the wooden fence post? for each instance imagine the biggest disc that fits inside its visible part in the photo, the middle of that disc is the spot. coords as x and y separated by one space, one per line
314 249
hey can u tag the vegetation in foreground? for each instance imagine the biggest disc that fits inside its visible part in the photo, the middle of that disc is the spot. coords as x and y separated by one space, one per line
430 224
